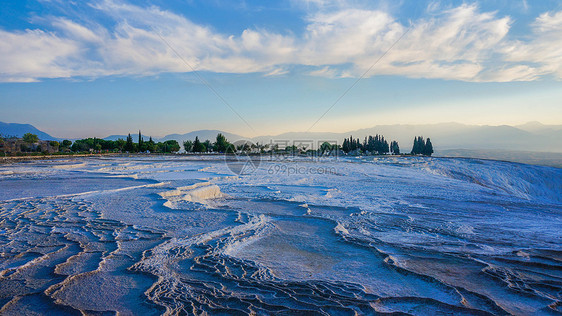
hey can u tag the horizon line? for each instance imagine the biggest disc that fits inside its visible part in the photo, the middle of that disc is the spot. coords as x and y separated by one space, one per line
303 132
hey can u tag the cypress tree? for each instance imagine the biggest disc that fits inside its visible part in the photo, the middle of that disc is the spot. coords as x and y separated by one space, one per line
345 146
386 148
198 146
428 148
141 142
379 145
419 146
129 144
394 148
150 146
348 144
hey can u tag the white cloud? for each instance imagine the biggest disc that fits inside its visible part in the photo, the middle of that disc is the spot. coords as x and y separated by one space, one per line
325 72
277 72
452 45
544 50
510 73
461 43
32 54
344 36
78 32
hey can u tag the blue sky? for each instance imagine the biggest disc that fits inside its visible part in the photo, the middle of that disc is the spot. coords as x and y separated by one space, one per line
94 68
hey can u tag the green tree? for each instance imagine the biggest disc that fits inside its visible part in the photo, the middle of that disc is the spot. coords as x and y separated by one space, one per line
428 149
221 144
188 146
81 145
171 146
55 145
30 138
394 148
120 144
141 143
208 145
150 145
345 146
245 147
158 147
326 147
198 147
129 146
419 145
65 144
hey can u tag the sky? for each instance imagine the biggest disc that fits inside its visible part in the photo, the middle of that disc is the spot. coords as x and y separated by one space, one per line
95 68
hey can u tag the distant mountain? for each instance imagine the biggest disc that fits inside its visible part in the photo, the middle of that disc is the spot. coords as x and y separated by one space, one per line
18 130
446 136
532 136
135 137
539 128
303 136
116 137
203 135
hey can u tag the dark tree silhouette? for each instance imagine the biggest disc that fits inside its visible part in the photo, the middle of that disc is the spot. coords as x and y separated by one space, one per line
141 146
129 146
188 145
150 145
394 148
428 149
221 144
198 147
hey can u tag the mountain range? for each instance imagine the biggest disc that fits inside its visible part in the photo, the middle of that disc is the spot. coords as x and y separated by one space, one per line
532 136
18 130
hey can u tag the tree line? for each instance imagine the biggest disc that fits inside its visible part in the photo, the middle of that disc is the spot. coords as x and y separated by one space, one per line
370 145
30 143
221 145
125 145
379 145
422 147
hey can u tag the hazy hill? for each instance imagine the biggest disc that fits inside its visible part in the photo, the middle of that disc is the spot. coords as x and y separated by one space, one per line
444 136
203 135
18 130
539 128
116 137
532 136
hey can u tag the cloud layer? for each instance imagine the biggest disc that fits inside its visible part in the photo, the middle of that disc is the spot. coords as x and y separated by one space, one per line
460 43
